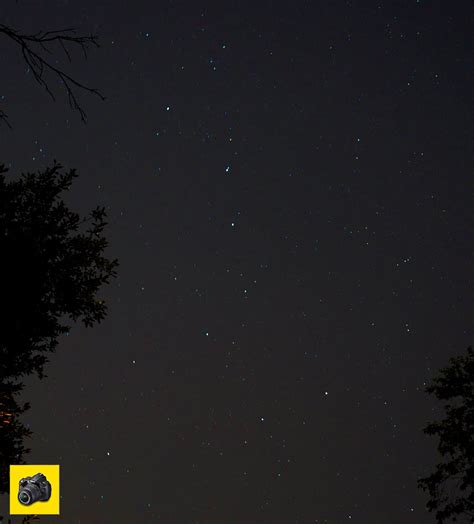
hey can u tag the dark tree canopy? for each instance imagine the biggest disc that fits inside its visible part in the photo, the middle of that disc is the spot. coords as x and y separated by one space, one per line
12 431
451 485
52 267
52 262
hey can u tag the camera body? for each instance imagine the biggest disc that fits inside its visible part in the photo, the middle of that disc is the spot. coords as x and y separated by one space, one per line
33 489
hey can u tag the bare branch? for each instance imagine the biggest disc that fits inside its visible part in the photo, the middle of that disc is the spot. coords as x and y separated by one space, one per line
4 119
32 45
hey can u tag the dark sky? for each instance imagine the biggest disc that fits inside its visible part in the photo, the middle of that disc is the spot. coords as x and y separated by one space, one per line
289 186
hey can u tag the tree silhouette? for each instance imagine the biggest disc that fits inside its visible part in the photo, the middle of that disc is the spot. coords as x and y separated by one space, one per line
35 49
451 485
50 270
52 265
12 431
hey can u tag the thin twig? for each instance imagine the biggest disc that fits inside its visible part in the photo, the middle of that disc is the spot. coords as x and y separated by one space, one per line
30 46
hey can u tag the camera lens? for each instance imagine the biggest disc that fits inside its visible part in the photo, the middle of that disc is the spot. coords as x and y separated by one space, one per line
24 497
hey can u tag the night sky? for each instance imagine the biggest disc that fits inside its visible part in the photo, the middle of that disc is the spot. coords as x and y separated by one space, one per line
289 191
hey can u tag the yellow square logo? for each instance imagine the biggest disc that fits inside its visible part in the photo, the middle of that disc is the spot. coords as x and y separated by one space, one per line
34 489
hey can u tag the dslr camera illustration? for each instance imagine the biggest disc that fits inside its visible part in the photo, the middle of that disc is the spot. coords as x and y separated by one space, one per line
34 489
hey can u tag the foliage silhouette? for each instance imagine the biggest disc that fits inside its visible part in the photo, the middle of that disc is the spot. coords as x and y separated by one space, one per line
53 265
12 431
34 255
451 485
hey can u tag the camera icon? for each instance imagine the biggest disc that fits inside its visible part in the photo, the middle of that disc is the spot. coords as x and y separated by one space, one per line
34 489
